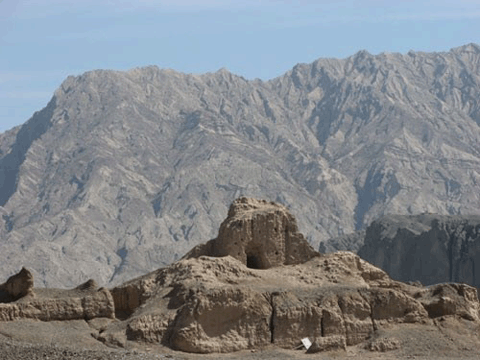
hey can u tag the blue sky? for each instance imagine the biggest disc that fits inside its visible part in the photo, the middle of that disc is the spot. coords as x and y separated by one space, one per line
44 41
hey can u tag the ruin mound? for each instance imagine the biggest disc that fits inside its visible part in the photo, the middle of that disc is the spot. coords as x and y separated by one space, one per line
260 235
258 284
17 286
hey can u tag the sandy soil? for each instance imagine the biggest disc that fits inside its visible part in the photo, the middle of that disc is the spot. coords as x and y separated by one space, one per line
447 338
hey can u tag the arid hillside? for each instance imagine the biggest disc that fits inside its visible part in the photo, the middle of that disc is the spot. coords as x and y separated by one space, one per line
124 172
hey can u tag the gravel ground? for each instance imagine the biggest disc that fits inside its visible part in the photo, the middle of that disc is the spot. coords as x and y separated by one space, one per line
10 350
27 340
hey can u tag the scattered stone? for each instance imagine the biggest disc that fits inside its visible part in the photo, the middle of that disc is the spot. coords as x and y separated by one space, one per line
383 344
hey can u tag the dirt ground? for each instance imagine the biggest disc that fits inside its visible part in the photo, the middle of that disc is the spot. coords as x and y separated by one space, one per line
445 338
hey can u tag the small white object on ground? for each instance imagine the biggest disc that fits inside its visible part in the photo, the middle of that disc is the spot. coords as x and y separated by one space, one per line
307 343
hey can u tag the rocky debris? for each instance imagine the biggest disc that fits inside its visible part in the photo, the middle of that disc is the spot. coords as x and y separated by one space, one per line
383 344
17 286
329 343
429 248
449 299
14 350
260 235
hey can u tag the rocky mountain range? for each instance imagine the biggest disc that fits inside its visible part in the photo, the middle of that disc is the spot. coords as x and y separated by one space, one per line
124 172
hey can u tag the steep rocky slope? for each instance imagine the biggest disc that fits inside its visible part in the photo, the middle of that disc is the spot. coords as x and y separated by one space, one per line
206 303
124 172
427 248
346 242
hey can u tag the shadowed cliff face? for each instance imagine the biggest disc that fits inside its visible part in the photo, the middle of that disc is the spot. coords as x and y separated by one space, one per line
428 248
10 163
124 172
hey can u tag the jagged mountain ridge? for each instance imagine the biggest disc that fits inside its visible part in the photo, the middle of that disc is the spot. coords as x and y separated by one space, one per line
124 172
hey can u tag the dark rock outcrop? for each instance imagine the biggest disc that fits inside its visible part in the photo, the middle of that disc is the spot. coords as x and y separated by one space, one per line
427 248
17 286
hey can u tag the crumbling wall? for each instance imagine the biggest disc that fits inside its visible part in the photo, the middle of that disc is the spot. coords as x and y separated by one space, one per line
259 234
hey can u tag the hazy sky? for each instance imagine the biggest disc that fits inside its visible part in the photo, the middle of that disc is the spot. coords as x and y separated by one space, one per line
43 41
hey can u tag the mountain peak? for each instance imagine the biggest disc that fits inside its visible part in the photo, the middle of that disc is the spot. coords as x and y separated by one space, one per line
362 53
124 172
468 48
223 70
